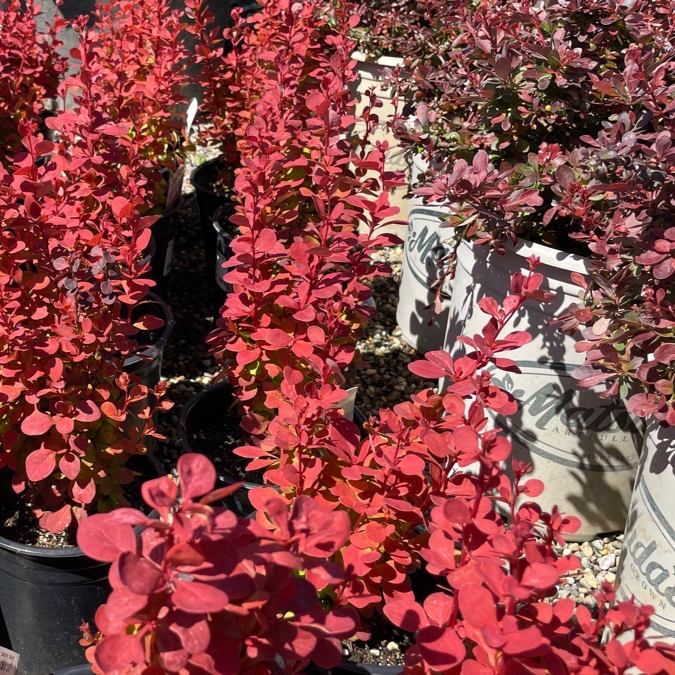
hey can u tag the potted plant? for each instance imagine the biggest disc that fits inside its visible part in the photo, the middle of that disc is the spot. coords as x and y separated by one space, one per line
627 310
66 406
30 71
387 36
261 605
514 162
128 99
273 266
169 610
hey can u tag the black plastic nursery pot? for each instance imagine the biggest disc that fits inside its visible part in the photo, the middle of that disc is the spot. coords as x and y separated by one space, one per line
210 198
199 414
224 233
45 594
164 235
84 669
147 363
351 668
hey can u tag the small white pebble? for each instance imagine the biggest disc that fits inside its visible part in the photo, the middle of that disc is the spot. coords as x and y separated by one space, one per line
392 647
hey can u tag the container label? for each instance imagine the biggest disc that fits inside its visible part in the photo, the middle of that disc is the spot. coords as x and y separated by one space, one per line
567 425
425 245
647 564
169 257
9 661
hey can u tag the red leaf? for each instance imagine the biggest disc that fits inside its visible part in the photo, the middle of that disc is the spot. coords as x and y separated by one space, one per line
194 633
540 576
58 521
115 652
489 306
103 539
441 647
477 606
196 474
265 241
137 574
651 662
40 464
196 598
149 322
438 607
65 425
160 492
532 488
405 613
69 464
36 424
428 371
122 604
84 490
87 411
523 641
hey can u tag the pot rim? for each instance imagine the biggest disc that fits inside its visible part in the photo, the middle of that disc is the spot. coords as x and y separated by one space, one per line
547 254
195 174
386 61
169 323
220 389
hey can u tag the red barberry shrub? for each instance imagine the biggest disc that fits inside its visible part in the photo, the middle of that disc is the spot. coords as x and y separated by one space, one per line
495 550
127 121
30 70
204 591
299 264
530 84
69 271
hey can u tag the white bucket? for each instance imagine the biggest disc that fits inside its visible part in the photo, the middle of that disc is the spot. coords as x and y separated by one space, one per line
585 449
370 74
424 247
647 563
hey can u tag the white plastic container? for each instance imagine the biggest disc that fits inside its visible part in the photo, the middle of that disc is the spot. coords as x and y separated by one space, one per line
371 75
584 448
647 563
424 247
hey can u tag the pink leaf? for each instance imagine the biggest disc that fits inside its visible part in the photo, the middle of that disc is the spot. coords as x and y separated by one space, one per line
160 492
122 604
40 464
540 576
137 574
196 474
196 598
405 613
103 539
87 411
115 652
477 606
441 648
149 322
36 424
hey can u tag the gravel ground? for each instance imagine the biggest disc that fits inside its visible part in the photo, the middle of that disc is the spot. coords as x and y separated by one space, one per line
385 381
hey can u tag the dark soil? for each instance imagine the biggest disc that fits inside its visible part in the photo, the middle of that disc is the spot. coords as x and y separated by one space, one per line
18 524
386 645
218 440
